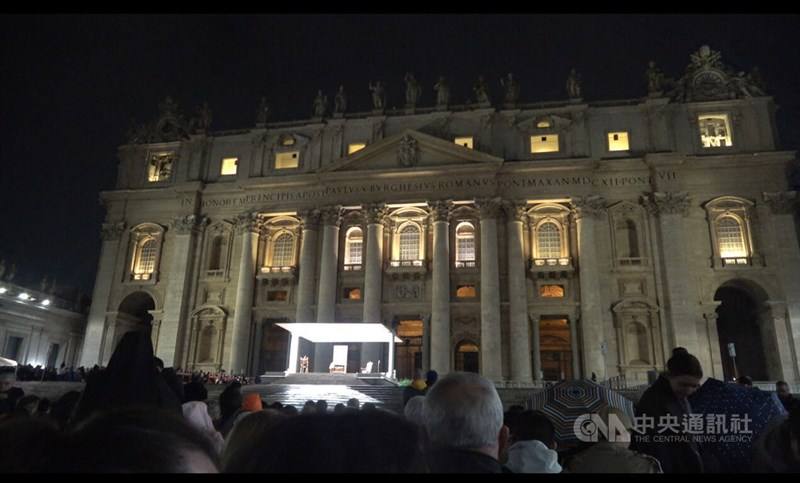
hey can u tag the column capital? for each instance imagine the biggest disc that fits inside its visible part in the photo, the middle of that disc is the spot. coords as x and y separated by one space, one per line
781 202
440 210
516 211
247 222
593 206
374 213
668 203
489 207
331 215
186 225
112 231
309 219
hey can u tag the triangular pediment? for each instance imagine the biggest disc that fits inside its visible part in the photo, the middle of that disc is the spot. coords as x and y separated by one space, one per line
408 150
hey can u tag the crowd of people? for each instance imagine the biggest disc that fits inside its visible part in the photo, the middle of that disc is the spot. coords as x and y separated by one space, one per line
137 416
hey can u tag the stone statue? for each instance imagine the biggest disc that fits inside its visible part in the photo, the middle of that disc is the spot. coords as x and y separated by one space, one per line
408 151
2 268
340 102
413 90
442 92
202 119
43 284
263 111
512 89
481 92
378 96
655 79
573 85
756 82
320 104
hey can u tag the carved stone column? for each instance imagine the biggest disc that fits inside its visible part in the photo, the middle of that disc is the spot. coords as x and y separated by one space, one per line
373 277
574 343
95 327
490 349
516 215
247 226
331 217
588 210
536 342
426 341
680 290
440 303
786 351
308 264
172 328
710 316
784 206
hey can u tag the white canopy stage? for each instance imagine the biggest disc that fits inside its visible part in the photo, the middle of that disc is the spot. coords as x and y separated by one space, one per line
338 332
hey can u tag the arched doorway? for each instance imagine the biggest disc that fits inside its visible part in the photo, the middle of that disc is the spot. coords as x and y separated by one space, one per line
409 353
134 314
556 348
274 348
738 322
467 357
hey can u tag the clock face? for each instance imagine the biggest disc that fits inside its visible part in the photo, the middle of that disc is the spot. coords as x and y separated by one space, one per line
709 84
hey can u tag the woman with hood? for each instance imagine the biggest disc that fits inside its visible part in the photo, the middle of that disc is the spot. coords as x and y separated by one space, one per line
533 444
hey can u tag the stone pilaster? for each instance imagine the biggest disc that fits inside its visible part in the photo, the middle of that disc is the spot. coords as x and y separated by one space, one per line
490 349
516 216
96 324
308 264
247 227
588 211
536 342
440 303
715 357
373 277
331 217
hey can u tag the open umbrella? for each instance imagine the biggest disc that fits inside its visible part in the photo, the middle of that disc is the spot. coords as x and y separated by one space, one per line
567 401
728 403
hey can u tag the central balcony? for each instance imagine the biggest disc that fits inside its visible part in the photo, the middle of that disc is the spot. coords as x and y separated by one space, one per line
277 275
552 267
406 269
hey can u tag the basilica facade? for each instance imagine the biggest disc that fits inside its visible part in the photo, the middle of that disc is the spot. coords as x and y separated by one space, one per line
524 241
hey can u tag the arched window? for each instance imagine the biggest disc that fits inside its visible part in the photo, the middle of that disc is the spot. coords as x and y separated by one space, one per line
283 251
215 256
145 258
548 240
627 239
465 245
409 243
730 237
354 246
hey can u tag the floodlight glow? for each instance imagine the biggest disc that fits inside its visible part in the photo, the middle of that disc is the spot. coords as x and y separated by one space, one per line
340 332
46 302
24 296
3 290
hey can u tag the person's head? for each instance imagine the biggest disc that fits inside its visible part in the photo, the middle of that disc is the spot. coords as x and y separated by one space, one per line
230 400
353 403
782 388
244 434
322 406
463 410
252 402
533 425
431 377
365 442
158 363
195 391
290 410
7 380
309 407
413 410
745 381
28 403
62 409
369 407
684 373
339 408
137 440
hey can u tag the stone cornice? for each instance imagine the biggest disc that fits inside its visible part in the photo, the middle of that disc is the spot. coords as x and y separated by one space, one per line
516 211
331 215
247 222
440 210
489 207
375 213
309 219
668 203
593 206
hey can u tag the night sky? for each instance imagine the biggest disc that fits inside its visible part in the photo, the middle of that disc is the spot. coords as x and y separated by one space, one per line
72 84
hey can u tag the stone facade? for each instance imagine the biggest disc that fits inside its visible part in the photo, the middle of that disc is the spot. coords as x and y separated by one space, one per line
576 237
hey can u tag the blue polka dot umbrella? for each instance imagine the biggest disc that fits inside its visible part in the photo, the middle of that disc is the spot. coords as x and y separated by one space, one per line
567 401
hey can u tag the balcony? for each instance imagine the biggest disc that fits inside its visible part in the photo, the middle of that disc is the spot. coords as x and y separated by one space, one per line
466 264
406 269
735 261
275 276
552 267
628 262
353 267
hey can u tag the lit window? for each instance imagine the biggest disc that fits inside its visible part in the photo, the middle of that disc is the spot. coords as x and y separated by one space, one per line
618 141
715 131
145 259
160 167
548 241
287 140
354 247
352 294
465 141
287 160
229 166
730 237
466 292
551 291
409 243
545 143
283 251
354 147
465 245
543 124
277 296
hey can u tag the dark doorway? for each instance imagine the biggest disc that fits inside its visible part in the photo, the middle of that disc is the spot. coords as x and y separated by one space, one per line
737 323
555 348
274 348
409 352
467 357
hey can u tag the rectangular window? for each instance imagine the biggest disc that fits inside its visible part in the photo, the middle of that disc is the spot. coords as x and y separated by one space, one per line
465 141
466 292
551 291
159 168
544 143
715 131
618 141
354 147
13 347
277 296
229 166
352 294
287 160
